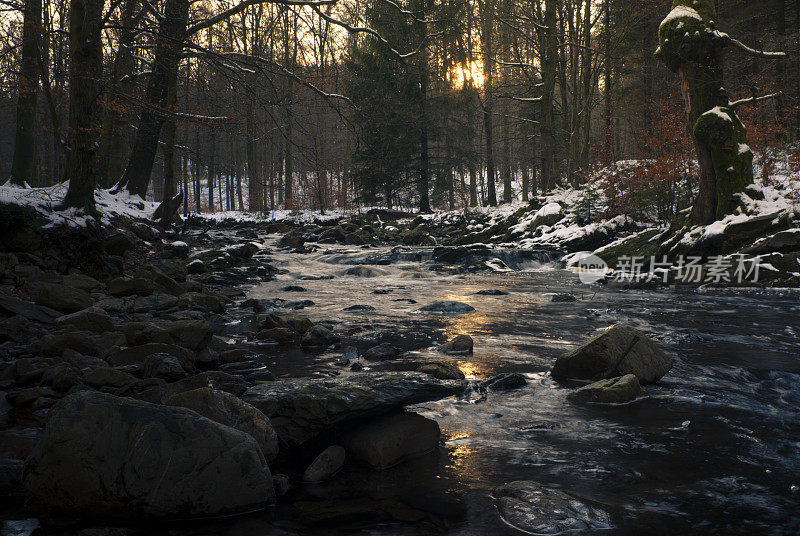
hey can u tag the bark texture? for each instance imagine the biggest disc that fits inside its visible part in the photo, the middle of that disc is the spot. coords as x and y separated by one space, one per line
691 46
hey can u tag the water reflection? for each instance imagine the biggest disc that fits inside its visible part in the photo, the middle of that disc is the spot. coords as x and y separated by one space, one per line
730 470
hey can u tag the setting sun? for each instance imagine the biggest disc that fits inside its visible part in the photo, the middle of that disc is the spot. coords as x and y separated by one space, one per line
467 73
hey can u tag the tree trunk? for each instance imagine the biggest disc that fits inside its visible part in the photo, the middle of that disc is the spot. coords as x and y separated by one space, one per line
170 183
112 141
548 68
608 134
172 33
254 182
212 171
488 108
288 166
23 166
726 163
424 171
526 184
473 186
85 24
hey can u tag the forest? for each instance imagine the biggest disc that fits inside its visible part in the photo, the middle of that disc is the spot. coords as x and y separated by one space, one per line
258 106
399 267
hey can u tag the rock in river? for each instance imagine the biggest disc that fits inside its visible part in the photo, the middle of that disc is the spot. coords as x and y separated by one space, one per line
447 308
535 509
618 351
460 344
302 408
107 456
611 391
391 439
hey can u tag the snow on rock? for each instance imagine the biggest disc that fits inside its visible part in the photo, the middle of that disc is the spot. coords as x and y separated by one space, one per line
44 200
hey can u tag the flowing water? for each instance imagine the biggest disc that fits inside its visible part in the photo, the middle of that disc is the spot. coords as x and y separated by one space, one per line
713 449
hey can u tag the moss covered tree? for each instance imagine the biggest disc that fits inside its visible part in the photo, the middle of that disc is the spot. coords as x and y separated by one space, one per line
691 46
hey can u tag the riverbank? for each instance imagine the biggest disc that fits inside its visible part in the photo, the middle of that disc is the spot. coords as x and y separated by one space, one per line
275 318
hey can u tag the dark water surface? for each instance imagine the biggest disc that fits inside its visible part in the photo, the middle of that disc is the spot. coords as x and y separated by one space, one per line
713 449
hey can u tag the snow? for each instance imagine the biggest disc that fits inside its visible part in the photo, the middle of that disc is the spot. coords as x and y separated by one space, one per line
550 209
109 205
681 12
719 112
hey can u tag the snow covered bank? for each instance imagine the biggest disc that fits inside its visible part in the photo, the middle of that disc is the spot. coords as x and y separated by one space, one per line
43 200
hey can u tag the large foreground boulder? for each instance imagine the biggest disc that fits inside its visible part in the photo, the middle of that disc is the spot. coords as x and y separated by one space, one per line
618 351
391 439
302 408
106 456
229 410
536 509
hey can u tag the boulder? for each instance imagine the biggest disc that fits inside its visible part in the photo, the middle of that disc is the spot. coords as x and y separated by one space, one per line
55 344
214 379
201 301
144 231
162 281
492 292
460 344
293 288
177 249
390 439
319 336
108 377
618 351
610 391
91 319
359 308
130 286
119 243
292 239
196 267
300 324
229 410
381 352
535 509
364 271
441 370
18 329
106 456
277 334
62 298
549 214
325 465
31 311
192 334
447 308
157 301
163 367
10 476
504 382
302 408
135 355
81 282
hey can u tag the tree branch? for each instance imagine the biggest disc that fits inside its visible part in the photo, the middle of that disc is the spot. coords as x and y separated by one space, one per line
750 100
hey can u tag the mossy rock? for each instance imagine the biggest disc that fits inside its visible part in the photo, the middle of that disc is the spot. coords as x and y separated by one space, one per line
645 244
